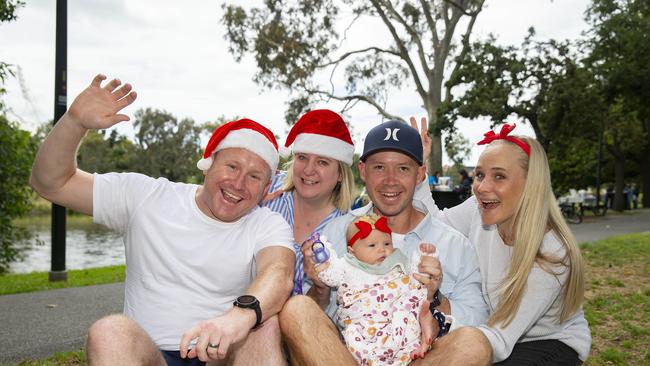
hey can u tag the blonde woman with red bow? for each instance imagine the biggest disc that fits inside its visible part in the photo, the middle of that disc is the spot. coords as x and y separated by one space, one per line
532 270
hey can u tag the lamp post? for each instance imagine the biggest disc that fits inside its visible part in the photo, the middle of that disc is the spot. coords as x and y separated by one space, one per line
58 271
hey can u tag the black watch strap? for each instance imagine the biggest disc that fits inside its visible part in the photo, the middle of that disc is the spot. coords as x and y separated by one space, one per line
444 324
436 301
250 302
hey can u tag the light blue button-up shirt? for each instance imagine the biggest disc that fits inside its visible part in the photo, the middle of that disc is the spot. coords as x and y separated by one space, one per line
461 282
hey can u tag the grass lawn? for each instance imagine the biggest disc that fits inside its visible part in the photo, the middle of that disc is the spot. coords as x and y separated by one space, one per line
38 281
618 300
617 307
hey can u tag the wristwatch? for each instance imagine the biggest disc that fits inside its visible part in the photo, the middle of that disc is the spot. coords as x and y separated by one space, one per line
436 301
250 302
444 322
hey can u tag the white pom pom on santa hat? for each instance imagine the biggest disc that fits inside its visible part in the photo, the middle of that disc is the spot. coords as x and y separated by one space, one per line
244 133
321 132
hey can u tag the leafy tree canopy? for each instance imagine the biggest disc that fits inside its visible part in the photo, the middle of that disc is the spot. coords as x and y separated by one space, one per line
166 147
17 152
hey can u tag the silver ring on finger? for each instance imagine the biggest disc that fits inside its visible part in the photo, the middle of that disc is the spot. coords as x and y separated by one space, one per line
213 345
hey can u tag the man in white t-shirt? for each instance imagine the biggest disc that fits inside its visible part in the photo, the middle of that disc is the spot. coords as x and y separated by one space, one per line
207 269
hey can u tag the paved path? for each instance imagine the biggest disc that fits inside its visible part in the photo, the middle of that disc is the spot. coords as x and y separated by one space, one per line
38 324
33 328
597 228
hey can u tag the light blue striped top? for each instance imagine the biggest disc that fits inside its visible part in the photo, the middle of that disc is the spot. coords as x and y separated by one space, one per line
283 205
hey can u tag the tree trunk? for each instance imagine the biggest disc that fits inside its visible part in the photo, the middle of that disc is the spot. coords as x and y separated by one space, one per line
619 171
435 158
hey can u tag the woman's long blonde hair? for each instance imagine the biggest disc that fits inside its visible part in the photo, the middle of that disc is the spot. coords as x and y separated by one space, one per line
536 213
343 193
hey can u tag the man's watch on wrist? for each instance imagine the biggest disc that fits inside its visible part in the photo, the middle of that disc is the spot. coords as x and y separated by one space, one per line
250 302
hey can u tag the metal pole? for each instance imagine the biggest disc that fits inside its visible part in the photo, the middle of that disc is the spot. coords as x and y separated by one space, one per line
58 271
599 165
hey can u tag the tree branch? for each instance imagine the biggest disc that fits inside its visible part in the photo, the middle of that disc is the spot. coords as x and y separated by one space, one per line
403 50
466 45
460 7
354 98
348 54
413 33
431 23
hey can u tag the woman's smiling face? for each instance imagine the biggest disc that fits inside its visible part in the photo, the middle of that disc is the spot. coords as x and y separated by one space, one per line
499 181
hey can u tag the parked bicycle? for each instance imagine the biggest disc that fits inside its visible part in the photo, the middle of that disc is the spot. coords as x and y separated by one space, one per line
572 212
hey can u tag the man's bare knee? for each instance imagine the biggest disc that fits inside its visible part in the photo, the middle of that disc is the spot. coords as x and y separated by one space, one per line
466 346
118 340
296 308
263 346
104 331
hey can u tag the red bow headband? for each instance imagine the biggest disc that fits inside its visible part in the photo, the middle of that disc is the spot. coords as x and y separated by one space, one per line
503 135
365 228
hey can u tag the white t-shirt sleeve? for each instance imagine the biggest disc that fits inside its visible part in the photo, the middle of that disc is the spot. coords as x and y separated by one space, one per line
116 196
272 230
460 217
423 195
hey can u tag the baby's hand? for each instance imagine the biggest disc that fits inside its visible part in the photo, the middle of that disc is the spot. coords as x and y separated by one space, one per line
429 270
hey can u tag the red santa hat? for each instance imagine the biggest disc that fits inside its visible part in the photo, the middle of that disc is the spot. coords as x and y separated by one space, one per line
321 132
246 134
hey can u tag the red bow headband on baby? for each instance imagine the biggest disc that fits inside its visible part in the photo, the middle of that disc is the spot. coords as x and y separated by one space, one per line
503 135
365 228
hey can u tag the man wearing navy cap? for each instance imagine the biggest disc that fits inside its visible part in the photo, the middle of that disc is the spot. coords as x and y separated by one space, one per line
391 167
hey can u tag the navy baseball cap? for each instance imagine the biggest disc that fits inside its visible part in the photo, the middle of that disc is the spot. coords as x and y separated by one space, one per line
396 136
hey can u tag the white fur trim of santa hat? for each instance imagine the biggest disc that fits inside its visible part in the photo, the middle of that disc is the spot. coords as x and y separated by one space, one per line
245 138
321 132
330 147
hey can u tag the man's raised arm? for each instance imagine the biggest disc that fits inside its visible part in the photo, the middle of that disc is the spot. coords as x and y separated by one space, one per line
55 175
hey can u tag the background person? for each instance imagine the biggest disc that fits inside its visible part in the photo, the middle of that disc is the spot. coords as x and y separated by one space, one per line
464 189
177 239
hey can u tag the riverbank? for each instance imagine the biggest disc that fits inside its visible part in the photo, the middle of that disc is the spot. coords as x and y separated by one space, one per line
88 245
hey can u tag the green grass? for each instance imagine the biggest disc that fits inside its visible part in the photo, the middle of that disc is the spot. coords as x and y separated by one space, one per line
38 281
618 299
58 359
617 307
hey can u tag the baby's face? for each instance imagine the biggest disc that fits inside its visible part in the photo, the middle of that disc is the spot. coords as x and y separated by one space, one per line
374 248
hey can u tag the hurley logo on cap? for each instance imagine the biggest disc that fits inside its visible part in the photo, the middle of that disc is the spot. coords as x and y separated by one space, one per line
395 136
391 133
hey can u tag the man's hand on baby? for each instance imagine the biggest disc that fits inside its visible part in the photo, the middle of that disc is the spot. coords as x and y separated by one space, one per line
430 269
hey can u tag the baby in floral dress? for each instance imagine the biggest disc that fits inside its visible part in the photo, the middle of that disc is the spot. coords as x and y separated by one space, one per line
382 309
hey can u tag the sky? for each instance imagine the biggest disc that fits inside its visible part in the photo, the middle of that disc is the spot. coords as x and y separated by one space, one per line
175 56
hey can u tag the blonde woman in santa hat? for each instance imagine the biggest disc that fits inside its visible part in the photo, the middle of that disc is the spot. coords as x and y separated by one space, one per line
532 270
190 248
317 184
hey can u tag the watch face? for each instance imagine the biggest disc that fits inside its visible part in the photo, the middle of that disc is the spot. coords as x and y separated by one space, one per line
246 300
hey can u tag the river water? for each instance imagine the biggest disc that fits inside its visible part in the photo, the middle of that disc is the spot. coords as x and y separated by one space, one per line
88 245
